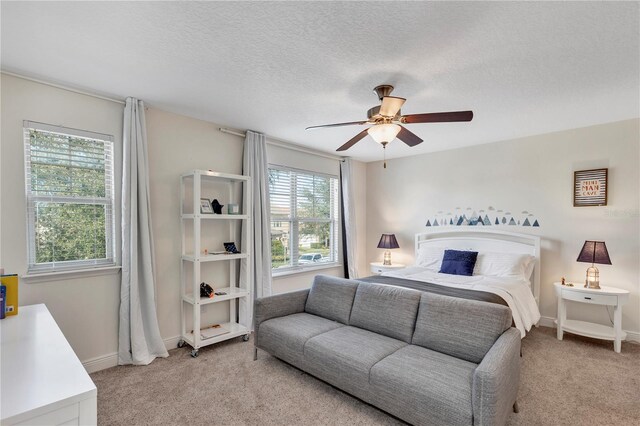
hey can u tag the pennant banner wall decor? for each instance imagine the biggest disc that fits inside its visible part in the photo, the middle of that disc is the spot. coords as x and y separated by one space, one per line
483 217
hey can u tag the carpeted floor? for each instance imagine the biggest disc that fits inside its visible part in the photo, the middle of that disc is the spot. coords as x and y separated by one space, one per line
578 381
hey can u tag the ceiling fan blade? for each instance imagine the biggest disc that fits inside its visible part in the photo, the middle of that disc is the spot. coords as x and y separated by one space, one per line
438 117
350 123
408 137
353 140
391 105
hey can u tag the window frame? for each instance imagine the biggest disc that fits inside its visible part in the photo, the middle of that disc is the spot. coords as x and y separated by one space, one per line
294 221
109 201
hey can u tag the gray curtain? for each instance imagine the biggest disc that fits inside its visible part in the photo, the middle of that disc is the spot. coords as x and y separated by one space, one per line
348 218
255 165
139 340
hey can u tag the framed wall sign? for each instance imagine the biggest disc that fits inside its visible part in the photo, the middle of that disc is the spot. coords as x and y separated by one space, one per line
590 187
205 206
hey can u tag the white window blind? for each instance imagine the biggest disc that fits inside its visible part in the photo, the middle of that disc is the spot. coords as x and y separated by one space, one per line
304 218
70 197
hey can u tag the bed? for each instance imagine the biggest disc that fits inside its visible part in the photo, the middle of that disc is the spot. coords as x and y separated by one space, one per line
507 272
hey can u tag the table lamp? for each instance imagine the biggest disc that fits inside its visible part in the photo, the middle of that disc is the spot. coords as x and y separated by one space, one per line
594 252
388 241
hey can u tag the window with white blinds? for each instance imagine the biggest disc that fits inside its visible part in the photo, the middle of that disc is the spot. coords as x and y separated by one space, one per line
70 197
304 218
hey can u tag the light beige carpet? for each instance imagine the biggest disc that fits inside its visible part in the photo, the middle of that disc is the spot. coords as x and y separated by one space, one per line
577 381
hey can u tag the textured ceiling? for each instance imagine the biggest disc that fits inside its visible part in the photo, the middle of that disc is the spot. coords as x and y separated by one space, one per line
523 68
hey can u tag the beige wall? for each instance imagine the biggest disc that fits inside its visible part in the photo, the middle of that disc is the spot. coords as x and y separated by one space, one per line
534 174
178 144
85 307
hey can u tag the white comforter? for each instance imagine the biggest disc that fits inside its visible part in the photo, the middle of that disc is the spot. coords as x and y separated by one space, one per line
516 293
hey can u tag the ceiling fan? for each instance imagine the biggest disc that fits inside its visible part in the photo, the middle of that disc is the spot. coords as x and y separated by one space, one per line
386 119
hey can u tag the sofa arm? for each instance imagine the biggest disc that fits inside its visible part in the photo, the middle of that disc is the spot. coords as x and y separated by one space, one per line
496 380
279 305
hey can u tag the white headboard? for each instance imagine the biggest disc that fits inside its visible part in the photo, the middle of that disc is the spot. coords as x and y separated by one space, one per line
485 240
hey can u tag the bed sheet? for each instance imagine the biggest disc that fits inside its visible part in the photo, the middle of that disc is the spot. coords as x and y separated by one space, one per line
516 293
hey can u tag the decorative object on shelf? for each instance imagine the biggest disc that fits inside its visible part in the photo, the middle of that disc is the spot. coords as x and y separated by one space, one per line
594 252
563 281
205 206
230 247
590 187
217 207
388 241
483 217
233 209
213 331
206 290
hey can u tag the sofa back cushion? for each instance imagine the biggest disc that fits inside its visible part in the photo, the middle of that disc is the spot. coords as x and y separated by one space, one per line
462 328
331 298
386 310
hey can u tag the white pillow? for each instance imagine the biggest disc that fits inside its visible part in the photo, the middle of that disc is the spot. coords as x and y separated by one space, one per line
504 265
430 258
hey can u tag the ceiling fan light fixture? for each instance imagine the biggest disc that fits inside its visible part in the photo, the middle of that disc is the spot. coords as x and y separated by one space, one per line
384 133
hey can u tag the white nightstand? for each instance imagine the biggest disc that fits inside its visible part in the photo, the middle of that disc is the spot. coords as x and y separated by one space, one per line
378 267
609 296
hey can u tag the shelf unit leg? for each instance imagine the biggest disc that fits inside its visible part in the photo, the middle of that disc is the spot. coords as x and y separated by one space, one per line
255 354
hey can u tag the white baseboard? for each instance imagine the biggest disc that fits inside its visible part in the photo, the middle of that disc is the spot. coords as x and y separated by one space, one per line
547 322
100 363
632 336
111 360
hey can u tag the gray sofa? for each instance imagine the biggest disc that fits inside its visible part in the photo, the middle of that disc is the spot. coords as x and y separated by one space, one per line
424 358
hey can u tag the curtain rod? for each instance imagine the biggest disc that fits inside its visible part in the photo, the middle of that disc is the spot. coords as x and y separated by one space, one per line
285 145
63 87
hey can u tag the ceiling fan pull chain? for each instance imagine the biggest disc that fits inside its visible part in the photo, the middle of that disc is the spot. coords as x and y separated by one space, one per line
384 155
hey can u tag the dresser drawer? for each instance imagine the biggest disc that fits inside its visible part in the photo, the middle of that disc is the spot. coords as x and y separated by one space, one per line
596 299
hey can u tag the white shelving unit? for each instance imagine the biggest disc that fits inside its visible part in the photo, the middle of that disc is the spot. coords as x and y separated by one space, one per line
194 185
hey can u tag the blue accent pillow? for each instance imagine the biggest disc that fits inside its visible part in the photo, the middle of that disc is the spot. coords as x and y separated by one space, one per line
457 262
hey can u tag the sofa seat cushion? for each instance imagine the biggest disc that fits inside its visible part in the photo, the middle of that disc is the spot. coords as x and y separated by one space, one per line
344 356
421 385
285 337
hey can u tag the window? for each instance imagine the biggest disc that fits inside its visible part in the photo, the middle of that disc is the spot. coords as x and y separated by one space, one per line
304 218
69 183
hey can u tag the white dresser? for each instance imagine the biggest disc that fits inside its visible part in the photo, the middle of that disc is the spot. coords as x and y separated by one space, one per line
42 380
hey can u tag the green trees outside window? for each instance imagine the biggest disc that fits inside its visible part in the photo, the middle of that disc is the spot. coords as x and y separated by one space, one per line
70 198
304 213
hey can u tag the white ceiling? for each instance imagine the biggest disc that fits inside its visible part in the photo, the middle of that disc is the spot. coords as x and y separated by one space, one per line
523 68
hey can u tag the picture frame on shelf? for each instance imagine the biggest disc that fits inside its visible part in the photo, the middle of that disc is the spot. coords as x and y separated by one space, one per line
205 206
590 187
